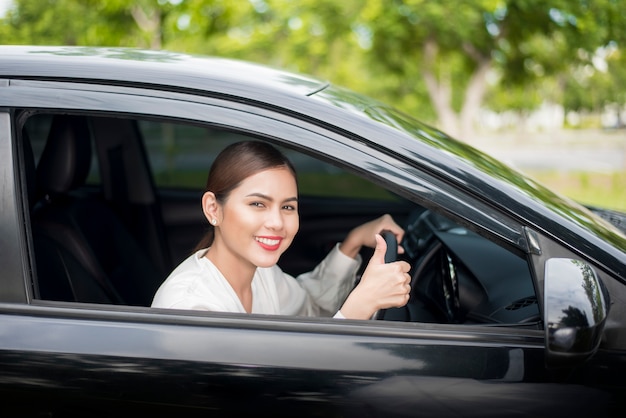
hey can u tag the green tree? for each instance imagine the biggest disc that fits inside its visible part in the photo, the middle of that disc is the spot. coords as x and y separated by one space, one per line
311 36
616 71
140 23
214 27
431 59
594 89
456 45
50 22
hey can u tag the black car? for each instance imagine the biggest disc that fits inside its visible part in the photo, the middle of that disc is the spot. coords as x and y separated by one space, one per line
518 294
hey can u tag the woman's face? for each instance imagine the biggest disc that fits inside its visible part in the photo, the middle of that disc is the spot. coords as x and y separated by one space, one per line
259 219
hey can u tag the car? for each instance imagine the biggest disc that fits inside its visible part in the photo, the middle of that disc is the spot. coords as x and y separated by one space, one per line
517 305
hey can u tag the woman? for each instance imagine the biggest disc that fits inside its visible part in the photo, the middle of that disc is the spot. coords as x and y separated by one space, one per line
251 203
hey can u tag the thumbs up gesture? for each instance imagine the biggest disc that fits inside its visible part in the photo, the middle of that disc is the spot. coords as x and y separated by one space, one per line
382 285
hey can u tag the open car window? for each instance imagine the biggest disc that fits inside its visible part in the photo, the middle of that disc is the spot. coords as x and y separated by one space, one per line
133 194
180 155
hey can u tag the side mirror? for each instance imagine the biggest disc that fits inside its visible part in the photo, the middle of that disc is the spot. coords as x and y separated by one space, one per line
576 305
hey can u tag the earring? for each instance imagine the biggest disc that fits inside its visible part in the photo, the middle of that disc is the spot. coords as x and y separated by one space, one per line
214 222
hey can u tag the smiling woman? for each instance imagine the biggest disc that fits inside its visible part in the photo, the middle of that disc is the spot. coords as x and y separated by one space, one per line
251 203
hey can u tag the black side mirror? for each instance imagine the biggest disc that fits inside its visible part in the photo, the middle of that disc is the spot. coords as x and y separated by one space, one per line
576 306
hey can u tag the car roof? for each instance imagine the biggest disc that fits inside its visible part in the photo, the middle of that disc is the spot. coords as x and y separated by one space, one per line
131 66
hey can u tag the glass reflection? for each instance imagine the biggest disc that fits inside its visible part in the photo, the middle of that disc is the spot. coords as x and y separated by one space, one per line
496 169
576 306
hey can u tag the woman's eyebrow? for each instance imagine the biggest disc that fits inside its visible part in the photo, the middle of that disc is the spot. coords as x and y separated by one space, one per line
266 197
260 195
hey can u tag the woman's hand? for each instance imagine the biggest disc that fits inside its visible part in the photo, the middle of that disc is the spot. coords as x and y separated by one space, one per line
382 286
363 235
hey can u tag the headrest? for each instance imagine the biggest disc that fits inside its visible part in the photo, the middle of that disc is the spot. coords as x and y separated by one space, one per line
65 160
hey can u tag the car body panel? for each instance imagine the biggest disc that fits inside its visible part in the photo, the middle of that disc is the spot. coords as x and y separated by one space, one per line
14 261
331 369
126 66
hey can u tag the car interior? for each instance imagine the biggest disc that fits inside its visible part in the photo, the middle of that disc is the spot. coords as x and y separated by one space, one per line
114 205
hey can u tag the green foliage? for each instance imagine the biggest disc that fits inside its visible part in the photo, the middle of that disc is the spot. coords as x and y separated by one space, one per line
524 41
427 58
520 98
47 22
589 89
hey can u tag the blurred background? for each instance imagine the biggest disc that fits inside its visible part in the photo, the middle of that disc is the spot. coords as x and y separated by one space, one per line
539 84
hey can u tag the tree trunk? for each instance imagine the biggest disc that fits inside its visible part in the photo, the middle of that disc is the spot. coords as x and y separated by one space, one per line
460 126
474 95
150 24
439 90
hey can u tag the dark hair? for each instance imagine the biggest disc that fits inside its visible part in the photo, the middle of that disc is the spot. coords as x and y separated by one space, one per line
233 165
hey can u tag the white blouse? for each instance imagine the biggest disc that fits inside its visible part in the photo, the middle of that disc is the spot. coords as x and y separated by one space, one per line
197 284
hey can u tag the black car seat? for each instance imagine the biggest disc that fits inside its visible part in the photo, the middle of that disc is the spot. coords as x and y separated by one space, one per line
128 185
83 251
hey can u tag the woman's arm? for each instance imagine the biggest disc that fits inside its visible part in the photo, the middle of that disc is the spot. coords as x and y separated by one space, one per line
363 235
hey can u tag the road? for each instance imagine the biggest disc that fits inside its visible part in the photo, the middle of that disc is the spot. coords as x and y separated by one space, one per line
590 150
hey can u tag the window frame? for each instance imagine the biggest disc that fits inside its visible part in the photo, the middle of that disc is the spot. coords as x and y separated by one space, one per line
423 188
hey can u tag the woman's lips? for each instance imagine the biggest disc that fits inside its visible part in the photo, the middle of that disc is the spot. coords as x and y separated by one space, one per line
269 243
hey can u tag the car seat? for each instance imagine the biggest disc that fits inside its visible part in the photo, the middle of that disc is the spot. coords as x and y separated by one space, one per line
83 251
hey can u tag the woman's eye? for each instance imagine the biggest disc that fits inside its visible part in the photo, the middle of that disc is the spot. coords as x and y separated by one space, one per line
257 204
289 207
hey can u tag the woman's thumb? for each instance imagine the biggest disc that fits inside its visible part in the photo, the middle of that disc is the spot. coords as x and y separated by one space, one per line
379 252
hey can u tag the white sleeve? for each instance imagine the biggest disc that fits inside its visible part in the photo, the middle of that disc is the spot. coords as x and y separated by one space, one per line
322 291
197 284
339 315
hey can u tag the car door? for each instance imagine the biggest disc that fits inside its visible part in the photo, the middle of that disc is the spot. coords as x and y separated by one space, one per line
67 358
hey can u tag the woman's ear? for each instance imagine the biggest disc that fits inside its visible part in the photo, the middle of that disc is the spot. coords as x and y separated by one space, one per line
210 207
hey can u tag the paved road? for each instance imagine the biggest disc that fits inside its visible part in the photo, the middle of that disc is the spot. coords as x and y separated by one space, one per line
564 151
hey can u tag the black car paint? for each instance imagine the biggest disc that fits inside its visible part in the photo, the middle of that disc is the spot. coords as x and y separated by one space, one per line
67 360
195 362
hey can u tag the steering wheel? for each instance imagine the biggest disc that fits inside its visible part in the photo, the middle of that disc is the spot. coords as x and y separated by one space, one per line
392 246
391 254
450 288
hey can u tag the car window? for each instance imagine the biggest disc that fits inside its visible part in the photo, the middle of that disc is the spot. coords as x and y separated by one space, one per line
128 241
37 128
181 154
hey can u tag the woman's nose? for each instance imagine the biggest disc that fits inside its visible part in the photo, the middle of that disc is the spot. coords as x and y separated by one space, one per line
275 219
